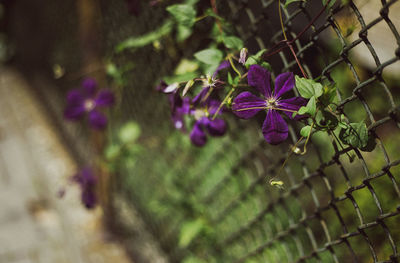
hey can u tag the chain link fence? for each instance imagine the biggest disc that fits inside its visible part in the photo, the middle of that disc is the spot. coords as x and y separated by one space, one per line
214 204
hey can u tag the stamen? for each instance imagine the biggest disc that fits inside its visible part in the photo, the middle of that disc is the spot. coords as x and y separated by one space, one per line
89 105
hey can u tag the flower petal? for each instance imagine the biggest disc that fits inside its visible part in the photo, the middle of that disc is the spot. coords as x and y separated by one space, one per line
213 106
75 97
200 98
275 129
89 86
97 120
246 100
260 78
198 136
88 197
293 104
104 98
223 65
74 112
283 83
216 127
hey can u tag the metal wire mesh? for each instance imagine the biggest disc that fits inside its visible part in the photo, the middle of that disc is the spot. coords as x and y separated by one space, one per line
332 210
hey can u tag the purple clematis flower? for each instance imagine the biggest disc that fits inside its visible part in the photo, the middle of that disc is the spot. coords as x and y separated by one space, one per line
88 100
87 181
179 106
246 105
203 115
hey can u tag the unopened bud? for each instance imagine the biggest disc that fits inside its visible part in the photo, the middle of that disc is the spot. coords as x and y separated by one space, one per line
243 56
188 85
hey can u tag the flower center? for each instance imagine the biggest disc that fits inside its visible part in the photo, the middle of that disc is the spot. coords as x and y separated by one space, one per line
271 103
89 104
200 113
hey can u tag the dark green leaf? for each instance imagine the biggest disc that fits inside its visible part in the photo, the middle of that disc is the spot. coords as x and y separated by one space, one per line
308 87
329 95
355 135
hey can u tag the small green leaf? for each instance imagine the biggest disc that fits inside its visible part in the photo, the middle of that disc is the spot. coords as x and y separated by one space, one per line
233 42
129 132
210 56
305 131
255 59
183 14
308 87
183 32
189 231
230 80
310 108
355 135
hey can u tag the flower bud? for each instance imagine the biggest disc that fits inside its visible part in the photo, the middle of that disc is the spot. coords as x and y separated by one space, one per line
243 56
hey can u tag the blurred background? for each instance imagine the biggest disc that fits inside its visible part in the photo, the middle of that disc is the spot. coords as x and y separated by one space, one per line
164 200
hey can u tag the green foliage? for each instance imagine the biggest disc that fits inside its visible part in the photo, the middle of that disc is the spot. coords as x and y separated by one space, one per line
257 60
129 133
355 134
189 231
210 57
183 14
308 87
233 42
310 108
144 40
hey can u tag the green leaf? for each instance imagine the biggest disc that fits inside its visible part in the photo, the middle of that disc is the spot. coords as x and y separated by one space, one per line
183 14
305 131
140 41
291 1
189 231
210 56
180 78
355 135
233 42
129 132
308 87
256 59
230 80
310 108
186 66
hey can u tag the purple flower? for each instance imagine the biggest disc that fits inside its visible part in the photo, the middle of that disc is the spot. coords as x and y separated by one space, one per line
179 106
203 115
87 181
88 100
246 105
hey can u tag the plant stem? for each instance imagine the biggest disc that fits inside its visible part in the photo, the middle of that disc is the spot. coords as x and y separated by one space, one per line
214 8
223 102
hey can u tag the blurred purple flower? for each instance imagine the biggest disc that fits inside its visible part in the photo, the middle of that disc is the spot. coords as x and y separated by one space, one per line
246 105
87 181
88 100
179 106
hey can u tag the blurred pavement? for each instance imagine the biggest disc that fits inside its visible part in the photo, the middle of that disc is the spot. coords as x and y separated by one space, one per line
35 225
